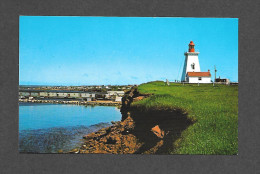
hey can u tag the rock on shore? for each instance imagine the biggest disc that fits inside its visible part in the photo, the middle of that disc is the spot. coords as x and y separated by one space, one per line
115 139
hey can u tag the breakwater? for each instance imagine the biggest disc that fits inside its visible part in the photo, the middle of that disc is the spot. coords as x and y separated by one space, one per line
76 102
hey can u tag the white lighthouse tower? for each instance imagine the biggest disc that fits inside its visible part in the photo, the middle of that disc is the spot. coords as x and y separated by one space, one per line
191 69
191 63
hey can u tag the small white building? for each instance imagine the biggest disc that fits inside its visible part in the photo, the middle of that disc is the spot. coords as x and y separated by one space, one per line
62 94
89 99
118 99
120 93
198 77
52 94
87 94
35 94
107 96
115 93
44 94
24 93
73 95
191 69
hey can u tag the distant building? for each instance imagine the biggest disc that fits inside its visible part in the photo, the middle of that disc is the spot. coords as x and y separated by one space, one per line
43 94
118 99
89 99
52 94
224 81
57 94
100 95
71 94
191 69
24 93
62 94
35 94
115 93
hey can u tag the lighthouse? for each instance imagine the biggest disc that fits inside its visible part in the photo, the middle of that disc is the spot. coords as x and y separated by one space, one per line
191 70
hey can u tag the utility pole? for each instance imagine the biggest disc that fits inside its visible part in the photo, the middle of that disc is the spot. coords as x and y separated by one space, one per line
215 72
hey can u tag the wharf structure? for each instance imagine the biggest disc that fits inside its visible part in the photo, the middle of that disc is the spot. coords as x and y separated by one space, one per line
65 94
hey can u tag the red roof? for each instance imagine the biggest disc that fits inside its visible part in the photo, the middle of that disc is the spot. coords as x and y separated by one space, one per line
191 43
199 74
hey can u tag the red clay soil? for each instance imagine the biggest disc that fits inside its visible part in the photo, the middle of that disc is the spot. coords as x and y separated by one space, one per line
139 132
130 137
117 139
157 131
114 139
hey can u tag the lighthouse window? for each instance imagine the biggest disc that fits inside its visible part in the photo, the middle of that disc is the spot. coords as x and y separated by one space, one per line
193 66
199 78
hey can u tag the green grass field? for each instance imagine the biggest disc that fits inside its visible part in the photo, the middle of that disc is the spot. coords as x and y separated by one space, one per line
213 109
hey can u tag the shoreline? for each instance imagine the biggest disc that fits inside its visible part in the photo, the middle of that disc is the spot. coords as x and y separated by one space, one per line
139 131
91 103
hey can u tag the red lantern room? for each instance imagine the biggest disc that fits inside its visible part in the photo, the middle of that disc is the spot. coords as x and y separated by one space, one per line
191 47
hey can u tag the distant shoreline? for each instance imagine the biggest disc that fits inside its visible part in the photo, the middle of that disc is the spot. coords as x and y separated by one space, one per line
76 102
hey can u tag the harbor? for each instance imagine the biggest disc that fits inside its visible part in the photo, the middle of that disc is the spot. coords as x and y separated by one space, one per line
104 98
75 102
56 128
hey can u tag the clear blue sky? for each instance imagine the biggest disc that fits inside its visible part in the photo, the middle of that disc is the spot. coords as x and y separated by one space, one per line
122 50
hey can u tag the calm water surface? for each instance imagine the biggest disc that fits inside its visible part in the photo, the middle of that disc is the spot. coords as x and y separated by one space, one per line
39 115
49 128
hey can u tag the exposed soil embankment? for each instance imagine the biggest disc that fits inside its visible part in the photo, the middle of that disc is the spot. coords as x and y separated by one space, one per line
140 132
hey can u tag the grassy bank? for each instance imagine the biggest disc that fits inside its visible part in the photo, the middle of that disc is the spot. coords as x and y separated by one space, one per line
214 111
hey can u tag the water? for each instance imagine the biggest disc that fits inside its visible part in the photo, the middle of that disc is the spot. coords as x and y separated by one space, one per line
49 128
